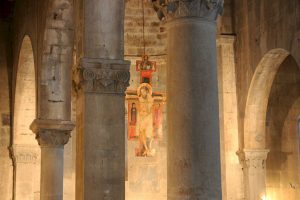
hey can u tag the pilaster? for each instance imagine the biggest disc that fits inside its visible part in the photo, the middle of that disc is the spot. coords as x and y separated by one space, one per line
254 167
26 173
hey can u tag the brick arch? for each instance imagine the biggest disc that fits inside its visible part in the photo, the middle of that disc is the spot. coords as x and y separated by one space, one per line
258 96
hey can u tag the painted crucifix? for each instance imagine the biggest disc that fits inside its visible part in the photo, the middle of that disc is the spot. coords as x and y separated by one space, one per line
146 68
145 118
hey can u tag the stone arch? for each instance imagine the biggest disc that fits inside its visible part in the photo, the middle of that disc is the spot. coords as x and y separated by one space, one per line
274 64
282 163
257 100
25 149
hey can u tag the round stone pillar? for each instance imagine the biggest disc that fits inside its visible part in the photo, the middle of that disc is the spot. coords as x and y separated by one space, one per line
53 125
104 77
254 167
52 135
194 170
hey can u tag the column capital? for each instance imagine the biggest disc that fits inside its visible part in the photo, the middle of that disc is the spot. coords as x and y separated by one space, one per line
226 39
104 76
52 133
207 10
27 154
253 158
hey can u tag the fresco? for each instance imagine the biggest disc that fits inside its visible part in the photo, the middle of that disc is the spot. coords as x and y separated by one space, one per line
145 114
146 68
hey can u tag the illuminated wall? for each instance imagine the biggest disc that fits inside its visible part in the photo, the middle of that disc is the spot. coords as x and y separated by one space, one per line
283 162
26 152
146 175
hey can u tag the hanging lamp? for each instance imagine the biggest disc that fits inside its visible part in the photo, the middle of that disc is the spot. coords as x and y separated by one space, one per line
145 66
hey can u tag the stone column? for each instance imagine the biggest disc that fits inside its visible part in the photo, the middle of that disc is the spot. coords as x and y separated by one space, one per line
192 106
254 167
53 125
101 103
52 135
25 160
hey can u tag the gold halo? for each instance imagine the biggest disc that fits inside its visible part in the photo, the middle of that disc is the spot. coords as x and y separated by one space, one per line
144 85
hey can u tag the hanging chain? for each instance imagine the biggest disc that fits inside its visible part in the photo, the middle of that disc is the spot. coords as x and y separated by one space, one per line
144 43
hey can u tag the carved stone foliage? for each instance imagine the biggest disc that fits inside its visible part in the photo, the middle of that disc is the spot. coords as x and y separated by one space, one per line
25 154
104 76
255 159
172 9
51 138
52 133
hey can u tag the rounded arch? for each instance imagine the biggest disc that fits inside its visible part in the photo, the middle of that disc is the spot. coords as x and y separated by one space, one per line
258 96
25 149
25 101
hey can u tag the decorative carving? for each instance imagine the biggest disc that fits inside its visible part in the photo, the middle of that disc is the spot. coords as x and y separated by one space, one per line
105 76
52 138
25 153
205 9
52 133
253 158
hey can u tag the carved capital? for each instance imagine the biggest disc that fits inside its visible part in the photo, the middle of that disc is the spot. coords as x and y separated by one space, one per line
253 158
52 133
104 76
25 154
173 9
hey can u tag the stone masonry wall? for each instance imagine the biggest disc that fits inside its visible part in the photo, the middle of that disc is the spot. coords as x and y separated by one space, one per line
261 26
146 176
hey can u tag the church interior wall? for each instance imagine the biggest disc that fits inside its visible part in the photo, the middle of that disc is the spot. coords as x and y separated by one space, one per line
283 162
5 113
146 176
261 26
246 32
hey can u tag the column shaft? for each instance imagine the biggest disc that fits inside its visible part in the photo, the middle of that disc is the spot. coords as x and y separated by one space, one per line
101 104
193 117
194 169
104 29
52 173
53 126
52 135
